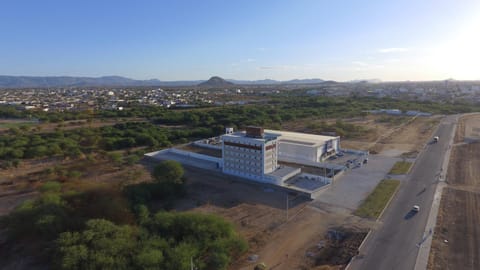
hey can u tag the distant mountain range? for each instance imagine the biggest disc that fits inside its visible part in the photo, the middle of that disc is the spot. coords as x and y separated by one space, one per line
68 81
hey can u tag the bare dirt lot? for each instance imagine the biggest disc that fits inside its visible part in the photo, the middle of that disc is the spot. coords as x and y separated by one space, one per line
388 135
458 219
259 214
459 223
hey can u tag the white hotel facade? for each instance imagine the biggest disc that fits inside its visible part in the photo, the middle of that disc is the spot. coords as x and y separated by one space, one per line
254 154
250 155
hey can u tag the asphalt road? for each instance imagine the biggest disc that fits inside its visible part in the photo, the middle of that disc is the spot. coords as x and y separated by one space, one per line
395 243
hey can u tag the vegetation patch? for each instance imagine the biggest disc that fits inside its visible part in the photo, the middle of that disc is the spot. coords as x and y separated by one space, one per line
340 128
401 167
374 204
106 227
392 120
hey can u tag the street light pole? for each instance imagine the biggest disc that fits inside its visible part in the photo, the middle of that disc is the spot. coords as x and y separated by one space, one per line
287 206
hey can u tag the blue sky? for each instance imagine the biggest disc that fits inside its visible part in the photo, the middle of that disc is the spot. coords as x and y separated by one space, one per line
183 40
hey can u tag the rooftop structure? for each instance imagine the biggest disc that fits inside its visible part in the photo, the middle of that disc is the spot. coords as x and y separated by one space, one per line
305 148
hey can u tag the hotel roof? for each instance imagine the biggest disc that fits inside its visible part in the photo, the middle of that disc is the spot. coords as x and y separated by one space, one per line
301 138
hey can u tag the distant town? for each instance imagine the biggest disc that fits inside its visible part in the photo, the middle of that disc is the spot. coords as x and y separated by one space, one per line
219 92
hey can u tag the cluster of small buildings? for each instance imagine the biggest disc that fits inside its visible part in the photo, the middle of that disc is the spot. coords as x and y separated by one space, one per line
443 91
115 98
64 99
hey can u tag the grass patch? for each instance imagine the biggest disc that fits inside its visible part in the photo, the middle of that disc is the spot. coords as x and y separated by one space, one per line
16 124
401 167
374 204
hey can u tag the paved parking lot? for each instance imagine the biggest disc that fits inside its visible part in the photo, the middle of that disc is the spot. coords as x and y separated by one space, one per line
351 188
346 157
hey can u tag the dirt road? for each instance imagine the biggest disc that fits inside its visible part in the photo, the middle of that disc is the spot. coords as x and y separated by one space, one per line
456 243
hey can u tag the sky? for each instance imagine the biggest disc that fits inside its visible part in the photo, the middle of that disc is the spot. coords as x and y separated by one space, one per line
250 39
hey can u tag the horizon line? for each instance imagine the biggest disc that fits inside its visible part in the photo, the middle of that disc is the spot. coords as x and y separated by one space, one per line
232 79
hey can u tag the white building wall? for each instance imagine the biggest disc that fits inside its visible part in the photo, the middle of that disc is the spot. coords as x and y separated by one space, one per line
297 151
270 158
248 158
254 158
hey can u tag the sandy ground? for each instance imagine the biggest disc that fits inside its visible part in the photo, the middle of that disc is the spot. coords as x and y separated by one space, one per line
407 139
458 220
259 214
385 138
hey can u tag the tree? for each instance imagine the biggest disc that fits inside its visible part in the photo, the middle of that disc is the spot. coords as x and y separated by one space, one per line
168 171
102 245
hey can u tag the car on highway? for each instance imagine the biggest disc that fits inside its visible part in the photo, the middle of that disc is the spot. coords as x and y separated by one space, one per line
416 208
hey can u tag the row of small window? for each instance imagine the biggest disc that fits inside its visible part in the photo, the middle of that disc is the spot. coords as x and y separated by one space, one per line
236 157
247 143
243 168
236 154
241 161
229 147
256 176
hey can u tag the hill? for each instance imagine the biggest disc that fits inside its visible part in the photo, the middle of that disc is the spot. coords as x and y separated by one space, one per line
215 81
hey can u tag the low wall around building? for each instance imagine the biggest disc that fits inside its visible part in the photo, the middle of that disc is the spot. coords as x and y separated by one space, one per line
186 158
196 155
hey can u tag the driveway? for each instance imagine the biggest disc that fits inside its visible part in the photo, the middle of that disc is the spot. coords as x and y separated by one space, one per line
348 191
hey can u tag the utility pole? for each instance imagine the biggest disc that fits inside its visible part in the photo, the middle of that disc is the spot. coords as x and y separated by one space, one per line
325 173
333 178
287 206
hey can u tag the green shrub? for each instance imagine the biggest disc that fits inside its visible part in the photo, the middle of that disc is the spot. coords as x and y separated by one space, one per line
51 186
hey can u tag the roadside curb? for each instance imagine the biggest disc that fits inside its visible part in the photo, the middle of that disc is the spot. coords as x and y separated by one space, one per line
358 249
424 147
423 254
411 166
407 175
371 230
390 200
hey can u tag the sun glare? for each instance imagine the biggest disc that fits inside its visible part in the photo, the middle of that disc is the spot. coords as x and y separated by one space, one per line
459 57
